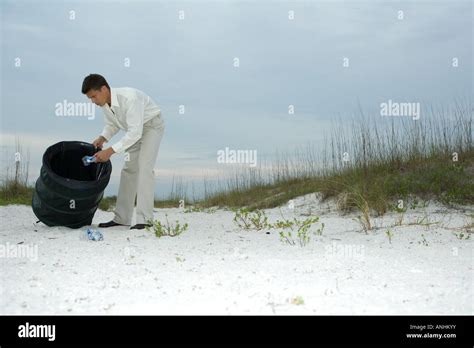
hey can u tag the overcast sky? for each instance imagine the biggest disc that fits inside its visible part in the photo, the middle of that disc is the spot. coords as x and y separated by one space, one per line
190 62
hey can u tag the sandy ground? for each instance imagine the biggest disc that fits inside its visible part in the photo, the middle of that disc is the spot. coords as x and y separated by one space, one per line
217 268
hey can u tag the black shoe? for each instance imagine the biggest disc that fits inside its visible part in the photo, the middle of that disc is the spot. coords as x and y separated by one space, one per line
140 226
109 224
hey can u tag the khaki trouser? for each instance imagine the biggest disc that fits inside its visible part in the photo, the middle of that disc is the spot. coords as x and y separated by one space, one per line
138 177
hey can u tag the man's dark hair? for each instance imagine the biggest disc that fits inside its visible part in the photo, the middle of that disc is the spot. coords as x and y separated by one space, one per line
95 82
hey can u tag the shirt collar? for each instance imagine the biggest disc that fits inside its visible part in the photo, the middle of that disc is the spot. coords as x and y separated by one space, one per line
114 100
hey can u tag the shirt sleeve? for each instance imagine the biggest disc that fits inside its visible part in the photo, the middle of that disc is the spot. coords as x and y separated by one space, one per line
134 117
109 131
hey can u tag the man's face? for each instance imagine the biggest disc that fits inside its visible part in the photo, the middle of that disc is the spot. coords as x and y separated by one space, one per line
98 97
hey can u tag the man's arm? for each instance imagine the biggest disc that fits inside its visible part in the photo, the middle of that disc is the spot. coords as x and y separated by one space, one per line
109 131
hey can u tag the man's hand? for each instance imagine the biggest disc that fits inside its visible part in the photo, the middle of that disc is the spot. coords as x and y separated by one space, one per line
104 155
99 142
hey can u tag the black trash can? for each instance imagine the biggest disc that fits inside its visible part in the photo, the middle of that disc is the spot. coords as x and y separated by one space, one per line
67 193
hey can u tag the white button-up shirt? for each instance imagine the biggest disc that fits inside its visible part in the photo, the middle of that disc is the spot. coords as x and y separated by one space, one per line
130 109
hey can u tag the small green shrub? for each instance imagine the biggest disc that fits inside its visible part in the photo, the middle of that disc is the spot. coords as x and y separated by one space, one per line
299 230
246 219
166 229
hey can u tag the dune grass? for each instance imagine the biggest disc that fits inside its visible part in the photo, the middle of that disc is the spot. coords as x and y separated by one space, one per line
14 188
380 187
14 193
367 164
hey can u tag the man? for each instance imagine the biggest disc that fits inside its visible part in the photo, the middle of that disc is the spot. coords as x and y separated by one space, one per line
136 113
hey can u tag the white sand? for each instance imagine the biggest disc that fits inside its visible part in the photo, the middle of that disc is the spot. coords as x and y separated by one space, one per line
217 268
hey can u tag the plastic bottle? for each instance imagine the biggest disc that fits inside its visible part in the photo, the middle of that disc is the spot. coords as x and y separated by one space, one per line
88 160
91 234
